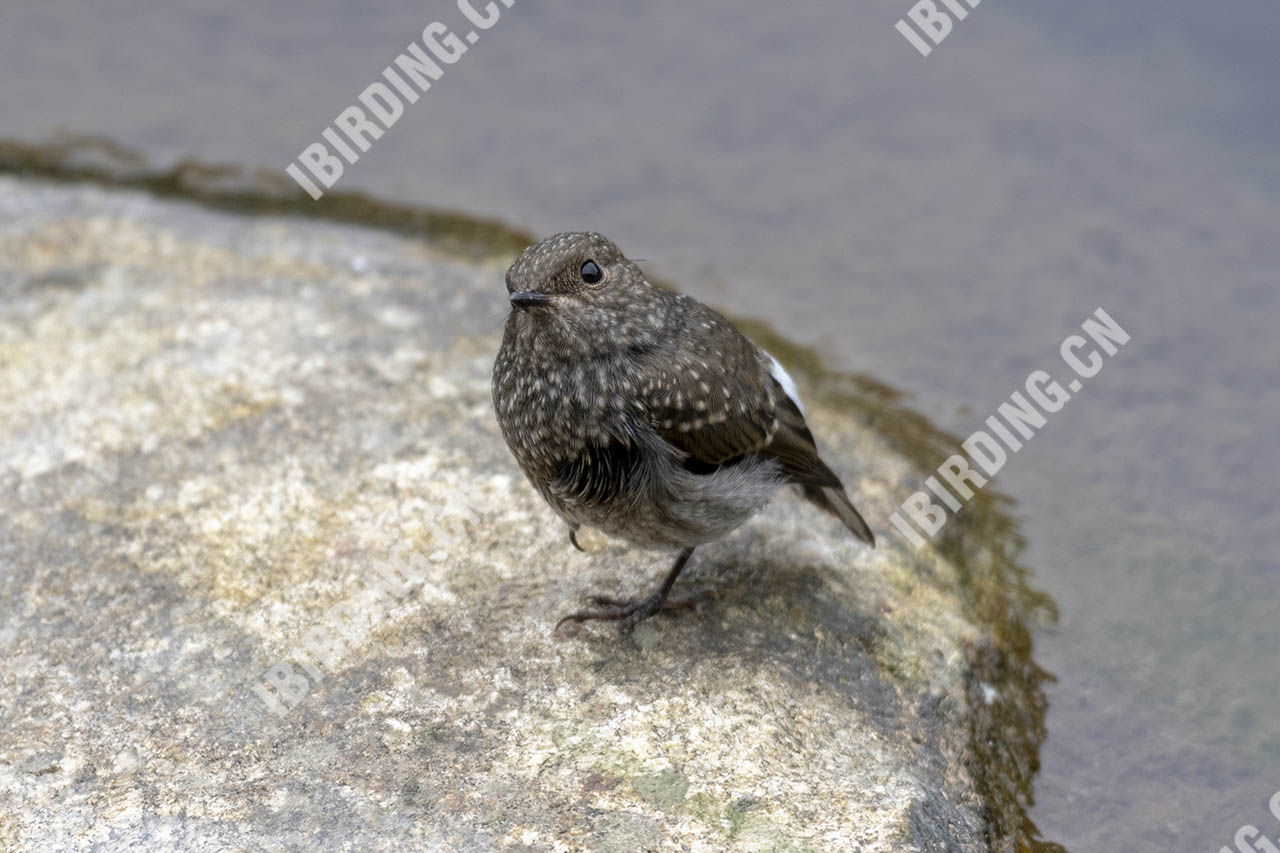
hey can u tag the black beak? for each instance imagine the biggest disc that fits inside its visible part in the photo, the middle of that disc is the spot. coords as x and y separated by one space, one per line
529 299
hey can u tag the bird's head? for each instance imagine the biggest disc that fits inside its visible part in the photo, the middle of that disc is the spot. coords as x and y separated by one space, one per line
580 288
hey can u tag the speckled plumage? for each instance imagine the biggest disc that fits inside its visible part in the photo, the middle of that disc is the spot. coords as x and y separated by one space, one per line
642 412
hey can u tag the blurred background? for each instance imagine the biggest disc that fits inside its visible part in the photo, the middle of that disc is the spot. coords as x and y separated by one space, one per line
940 223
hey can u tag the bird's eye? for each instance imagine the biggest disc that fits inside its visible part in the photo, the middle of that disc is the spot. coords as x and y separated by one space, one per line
591 273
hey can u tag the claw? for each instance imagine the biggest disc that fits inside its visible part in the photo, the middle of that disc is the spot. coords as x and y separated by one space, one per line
629 613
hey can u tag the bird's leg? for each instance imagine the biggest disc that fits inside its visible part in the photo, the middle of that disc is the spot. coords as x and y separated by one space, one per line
628 613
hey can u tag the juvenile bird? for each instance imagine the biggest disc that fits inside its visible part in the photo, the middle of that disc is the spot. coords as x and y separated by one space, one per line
644 413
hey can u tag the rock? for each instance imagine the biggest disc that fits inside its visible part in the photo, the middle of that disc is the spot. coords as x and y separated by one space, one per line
269 579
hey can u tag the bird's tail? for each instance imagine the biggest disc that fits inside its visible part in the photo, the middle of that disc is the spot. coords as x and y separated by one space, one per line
834 500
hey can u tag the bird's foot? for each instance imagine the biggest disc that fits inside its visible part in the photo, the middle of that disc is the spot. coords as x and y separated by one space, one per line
630 612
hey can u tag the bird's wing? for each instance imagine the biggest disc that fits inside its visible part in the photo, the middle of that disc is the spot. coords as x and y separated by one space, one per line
718 404
716 407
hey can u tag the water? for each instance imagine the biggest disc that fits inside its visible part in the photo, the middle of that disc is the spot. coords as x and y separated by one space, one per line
939 223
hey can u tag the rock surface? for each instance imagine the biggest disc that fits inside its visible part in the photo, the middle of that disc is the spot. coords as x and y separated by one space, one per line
270 580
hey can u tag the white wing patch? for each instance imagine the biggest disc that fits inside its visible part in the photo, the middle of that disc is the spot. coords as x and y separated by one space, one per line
784 379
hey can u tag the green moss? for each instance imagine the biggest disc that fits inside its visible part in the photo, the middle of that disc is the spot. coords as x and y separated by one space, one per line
984 543
664 790
254 191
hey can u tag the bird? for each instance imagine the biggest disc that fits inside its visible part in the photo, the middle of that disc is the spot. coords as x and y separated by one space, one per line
642 413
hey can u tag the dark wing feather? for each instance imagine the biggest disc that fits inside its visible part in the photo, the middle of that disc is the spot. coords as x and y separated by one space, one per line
718 409
719 406
714 406
794 447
